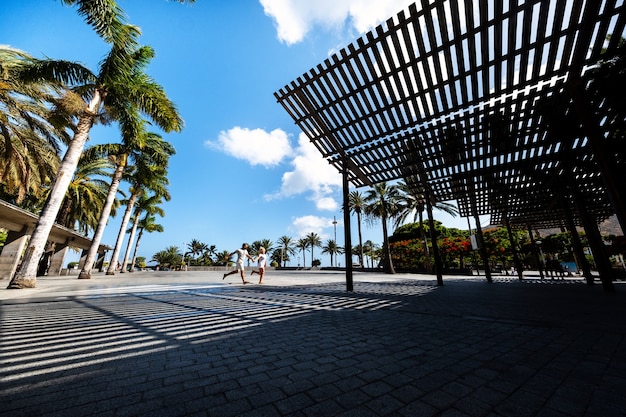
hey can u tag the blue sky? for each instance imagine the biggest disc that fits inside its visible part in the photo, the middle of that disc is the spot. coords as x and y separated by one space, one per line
243 171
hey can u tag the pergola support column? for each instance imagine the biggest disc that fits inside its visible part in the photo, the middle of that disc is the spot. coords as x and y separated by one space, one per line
347 229
12 252
600 256
536 251
481 247
516 261
58 257
433 239
577 245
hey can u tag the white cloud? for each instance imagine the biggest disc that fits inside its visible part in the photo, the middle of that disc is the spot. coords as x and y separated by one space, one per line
312 173
327 204
256 146
295 18
323 226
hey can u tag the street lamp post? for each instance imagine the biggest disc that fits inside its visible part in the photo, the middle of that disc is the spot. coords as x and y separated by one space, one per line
335 226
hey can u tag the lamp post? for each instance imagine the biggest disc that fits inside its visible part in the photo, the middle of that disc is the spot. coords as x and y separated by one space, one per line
335 226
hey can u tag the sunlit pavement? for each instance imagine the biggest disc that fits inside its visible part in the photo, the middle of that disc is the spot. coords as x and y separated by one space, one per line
192 344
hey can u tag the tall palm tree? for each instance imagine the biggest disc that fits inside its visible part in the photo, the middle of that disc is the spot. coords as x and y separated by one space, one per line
303 244
194 248
31 131
150 205
120 84
356 205
332 249
145 177
313 240
142 148
382 203
148 224
287 248
369 247
413 203
258 244
208 252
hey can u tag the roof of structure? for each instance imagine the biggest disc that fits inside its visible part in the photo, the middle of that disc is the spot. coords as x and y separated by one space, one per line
16 219
448 95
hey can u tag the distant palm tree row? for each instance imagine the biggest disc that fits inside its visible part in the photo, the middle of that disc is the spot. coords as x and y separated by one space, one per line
47 106
201 254
47 110
383 202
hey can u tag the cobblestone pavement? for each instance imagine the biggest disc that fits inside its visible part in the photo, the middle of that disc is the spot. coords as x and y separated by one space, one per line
393 347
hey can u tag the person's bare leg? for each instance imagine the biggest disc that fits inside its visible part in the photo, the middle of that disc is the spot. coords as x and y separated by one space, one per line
229 273
243 277
261 275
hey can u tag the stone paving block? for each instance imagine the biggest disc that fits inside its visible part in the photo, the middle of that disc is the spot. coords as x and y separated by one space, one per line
482 351
384 405
266 411
418 408
293 403
439 399
351 399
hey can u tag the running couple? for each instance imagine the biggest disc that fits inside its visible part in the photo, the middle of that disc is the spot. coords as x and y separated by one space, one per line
242 254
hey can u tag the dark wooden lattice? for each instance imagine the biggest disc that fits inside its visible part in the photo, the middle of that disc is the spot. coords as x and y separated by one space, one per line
450 96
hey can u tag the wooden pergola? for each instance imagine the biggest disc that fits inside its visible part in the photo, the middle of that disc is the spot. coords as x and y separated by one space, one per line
482 102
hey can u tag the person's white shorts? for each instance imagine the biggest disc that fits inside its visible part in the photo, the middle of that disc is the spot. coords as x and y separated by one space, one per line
239 266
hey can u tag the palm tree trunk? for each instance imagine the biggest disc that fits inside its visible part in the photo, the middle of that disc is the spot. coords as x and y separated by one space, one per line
389 264
63 215
26 276
120 235
137 246
131 238
92 254
358 220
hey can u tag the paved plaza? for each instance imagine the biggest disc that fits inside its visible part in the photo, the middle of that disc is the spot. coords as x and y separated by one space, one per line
191 344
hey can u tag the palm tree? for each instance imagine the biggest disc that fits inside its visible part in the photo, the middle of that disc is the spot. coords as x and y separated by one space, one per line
31 132
287 248
302 245
382 203
258 244
147 224
413 203
356 205
150 205
333 249
170 257
145 177
194 248
207 254
144 148
223 257
85 195
120 85
369 247
313 240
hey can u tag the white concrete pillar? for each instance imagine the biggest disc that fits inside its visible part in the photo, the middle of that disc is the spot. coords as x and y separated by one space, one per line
12 251
58 258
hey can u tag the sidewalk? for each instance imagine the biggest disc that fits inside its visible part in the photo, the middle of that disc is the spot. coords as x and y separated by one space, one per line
191 344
